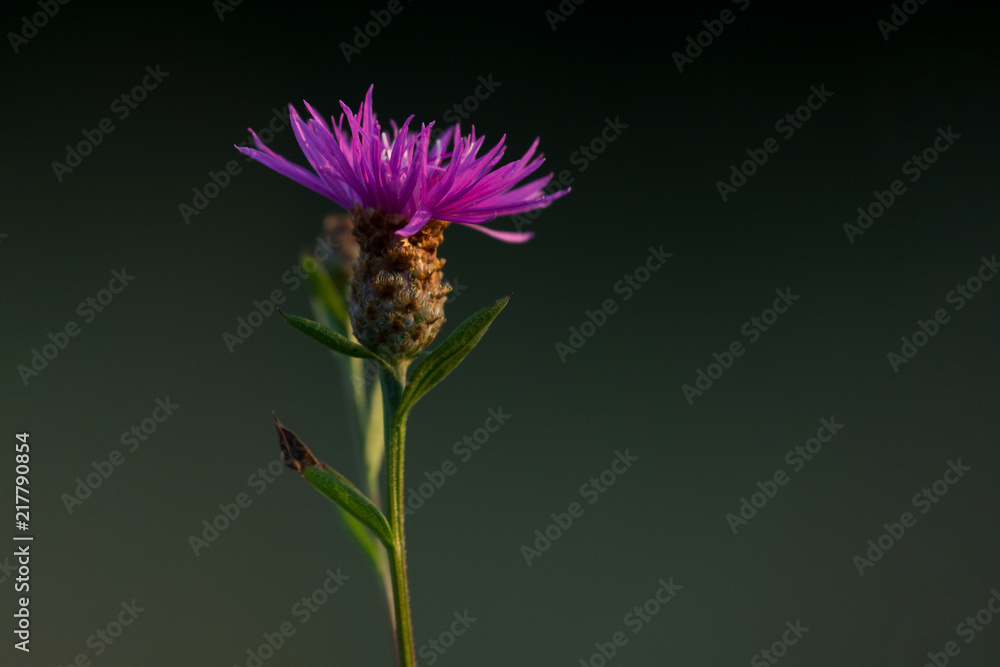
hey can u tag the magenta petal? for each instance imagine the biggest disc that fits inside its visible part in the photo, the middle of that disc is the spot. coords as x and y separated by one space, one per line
407 173
415 224
509 237
291 170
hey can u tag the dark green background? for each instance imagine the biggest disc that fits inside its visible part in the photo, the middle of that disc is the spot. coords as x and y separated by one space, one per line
654 185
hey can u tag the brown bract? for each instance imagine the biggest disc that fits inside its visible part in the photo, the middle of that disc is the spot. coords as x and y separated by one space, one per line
397 293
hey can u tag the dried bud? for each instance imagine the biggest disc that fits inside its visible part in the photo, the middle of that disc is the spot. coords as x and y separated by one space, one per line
294 452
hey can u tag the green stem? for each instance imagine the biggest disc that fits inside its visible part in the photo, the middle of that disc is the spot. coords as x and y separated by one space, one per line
374 429
395 434
365 412
374 444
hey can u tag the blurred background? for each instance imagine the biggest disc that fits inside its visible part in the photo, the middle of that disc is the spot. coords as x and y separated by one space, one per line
653 113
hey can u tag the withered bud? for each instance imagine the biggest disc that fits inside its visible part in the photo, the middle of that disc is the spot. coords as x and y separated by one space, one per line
294 452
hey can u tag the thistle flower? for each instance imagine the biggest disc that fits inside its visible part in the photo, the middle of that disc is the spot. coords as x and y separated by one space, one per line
403 192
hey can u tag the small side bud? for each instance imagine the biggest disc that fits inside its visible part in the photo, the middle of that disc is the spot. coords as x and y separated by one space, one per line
341 246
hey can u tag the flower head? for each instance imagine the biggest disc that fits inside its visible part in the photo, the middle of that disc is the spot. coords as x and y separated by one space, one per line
407 175
402 193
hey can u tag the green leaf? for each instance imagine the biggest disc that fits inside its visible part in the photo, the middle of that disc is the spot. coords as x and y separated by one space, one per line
339 489
297 456
363 538
326 291
332 339
374 442
449 354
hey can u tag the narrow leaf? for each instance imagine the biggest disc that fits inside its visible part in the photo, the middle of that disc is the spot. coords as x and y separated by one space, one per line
363 537
339 489
332 339
449 354
331 483
326 291
374 440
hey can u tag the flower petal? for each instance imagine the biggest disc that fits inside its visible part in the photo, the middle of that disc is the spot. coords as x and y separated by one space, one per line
509 237
411 173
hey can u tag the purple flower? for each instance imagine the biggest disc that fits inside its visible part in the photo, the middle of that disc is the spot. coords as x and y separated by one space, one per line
407 175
